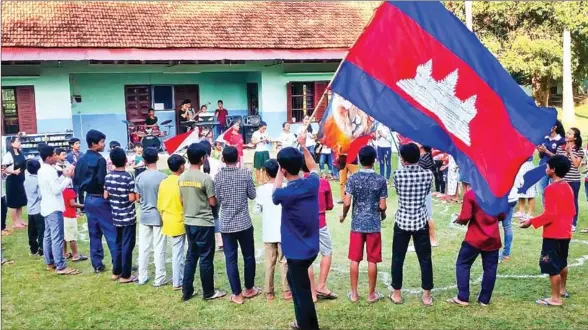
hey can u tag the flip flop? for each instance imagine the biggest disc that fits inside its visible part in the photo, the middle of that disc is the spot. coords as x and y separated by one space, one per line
566 295
67 271
131 279
7 262
349 295
427 304
327 296
115 278
584 231
545 302
456 302
379 297
51 268
68 256
394 301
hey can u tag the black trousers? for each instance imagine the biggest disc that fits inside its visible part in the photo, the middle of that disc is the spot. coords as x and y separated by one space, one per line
125 241
200 248
4 212
36 232
422 246
301 293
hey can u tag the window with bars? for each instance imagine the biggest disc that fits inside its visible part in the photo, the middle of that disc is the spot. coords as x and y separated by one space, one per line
9 111
303 97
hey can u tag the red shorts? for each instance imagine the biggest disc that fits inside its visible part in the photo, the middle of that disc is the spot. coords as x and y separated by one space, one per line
373 243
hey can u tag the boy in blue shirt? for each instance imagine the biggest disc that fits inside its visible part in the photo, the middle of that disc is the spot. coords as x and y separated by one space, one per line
300 227
36 221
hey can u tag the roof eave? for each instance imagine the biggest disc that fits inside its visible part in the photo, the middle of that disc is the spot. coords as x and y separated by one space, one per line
188 54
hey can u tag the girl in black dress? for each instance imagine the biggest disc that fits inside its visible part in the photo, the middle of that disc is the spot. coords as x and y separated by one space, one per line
16 197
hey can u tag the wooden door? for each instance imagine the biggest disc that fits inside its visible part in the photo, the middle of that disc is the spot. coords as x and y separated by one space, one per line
27 113
137 102
190 92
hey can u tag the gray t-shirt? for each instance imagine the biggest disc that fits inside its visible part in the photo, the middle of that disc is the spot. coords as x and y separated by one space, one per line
147 186
31 186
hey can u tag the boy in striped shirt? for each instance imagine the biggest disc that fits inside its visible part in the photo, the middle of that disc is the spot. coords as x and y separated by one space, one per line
119 189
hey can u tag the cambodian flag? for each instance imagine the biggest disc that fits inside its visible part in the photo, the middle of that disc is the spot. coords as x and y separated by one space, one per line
417 69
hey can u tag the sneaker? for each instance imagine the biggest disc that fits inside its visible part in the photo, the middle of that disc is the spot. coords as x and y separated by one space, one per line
147 279
164 283
217 294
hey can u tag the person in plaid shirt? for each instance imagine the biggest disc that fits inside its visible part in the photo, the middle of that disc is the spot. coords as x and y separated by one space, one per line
413 185
233 187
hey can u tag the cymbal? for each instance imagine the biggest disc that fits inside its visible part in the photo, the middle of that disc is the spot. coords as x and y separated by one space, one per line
166 122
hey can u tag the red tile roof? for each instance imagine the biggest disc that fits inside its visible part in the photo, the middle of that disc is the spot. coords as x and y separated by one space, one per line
178 24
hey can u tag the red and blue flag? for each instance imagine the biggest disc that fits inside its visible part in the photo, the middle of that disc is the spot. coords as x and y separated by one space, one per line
417 69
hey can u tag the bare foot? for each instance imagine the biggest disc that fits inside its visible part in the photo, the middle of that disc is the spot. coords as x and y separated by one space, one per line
288 295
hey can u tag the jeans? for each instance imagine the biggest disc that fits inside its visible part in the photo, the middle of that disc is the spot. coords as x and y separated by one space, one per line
465 259
326 159
36 231
508 233
200 246
53 240
125 242
178 243
4 212
422 246
99 216
231 243
151 239
384 158
301 293
576 188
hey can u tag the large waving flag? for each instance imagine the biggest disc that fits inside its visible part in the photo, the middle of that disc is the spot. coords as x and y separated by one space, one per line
417 69
344 128
177 143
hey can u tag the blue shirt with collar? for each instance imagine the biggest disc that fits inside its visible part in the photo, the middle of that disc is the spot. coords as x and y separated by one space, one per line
551 145
90 173
73 157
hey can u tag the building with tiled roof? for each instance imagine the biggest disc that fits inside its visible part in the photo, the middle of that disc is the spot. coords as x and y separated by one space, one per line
77 65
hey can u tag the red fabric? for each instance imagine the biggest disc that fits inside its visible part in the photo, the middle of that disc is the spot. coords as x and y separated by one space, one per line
403 140
373 246
354 147
325 200
483 232
558 216
222 116
172 144
235 139
68 195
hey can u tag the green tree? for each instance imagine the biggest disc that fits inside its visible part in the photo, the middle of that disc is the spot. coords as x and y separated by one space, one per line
526 37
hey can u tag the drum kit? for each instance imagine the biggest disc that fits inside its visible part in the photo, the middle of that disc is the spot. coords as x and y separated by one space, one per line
149 136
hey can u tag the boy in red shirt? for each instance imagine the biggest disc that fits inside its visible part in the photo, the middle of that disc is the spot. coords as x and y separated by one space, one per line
556 220
325 199
482 237
70 225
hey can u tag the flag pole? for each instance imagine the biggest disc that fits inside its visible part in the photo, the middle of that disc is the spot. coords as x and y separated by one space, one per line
325 93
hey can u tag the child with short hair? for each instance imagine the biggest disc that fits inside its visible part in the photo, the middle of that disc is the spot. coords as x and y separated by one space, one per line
369 192
217 152
270 232
482 237
36 228
70 225
169 204
556 220
138 162
75 154
150 224
61 160
119 189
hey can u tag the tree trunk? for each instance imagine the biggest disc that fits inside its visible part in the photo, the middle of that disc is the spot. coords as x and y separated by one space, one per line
541 87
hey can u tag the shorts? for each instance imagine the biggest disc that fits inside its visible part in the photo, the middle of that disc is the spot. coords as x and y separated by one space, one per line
554 255
373 246
325 242
259 159
70 229
429 206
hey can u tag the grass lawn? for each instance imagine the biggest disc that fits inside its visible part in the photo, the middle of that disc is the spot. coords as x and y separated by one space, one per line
34 298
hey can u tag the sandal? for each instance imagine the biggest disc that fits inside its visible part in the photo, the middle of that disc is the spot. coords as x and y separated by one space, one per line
349 296
80 258
379 297
131 279
231 298
566 295
455 301
326 295
429 304
114 277
68 256
584 231
546 302
394 301
257 292
67 271
7 262
51 268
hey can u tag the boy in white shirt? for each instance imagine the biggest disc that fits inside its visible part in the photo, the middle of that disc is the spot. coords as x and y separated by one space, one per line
51 187
260 140
270 232
287 138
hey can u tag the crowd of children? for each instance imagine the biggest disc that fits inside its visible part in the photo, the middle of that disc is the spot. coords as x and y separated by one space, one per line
205 203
